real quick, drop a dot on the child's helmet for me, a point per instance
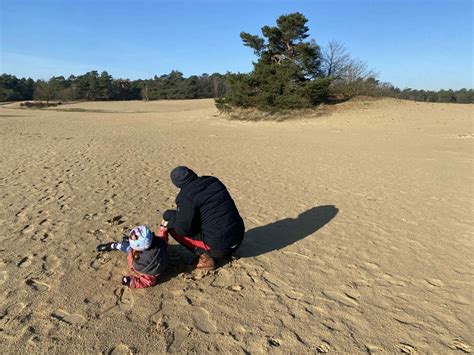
(144, 238)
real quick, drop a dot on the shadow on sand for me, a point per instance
(277, 235)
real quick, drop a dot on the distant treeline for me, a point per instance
(93, 86)
(463, 96)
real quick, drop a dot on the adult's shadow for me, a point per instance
(279, 234)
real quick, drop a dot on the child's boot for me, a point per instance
(105, 247)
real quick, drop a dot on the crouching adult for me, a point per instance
(206, 219)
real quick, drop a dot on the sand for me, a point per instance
(359, 229)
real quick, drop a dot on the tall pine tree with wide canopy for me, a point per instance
(287, 73)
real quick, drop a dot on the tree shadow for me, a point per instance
(279, 234)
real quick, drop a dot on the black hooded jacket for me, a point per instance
(205, 206)
(154, 260)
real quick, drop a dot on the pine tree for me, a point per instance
(287, 72)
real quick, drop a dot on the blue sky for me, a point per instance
(422, 44)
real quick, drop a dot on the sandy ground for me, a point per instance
(359, 229)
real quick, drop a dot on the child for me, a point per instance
(147, 255)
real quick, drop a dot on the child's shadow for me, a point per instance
(279, 234)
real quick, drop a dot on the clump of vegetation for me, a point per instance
(39, 104)
(287, 74)
(254, 114)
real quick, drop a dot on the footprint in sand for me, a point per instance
(45, 222)
(274, 341)
(97, 233)
(124, 302)
(38, 285)
(352, 294)
(371, 266)
(236, 288)
(223, 279)
(13, 311)
(45, 237)
(176, 338)
(90, 217)
(99, 260)
(121, 349)
(201, 320)
(323, 348)
(27, 229)
(407, 348)
(68, 318)
(25, 262)
(361, 283)
(457, 344)
(332, 325)
(51, 263)
(116, 220)
(125, 299)
(372, 349)
(12, 321)
(3, 277)
(435, 282)
(346, 301)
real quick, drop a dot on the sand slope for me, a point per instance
(359, 239)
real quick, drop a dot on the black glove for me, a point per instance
(169, 215)
(104, 247)
(126, 280)
(125, 238)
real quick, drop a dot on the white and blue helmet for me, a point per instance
(144, 238)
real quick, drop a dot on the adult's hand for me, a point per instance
(169, 215)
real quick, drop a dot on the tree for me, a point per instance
(287, 72)
(88, 86)
(60, 88)
(285, 42)
(44, 91)
(14, 89)
(105, 86)
(349, 76)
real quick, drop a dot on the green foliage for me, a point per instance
(463, 96)
(44, 91)
(355, 87)
(92, 86)
(176, 86)
(106, 87)
(286, 73)
(222, 105)
(14, 89)
(285, 42)
(317, 91)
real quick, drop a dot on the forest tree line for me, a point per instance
(93, 86)
(175, 86)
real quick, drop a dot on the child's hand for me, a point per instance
(126, 280)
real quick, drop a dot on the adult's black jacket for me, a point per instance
(205, 206)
